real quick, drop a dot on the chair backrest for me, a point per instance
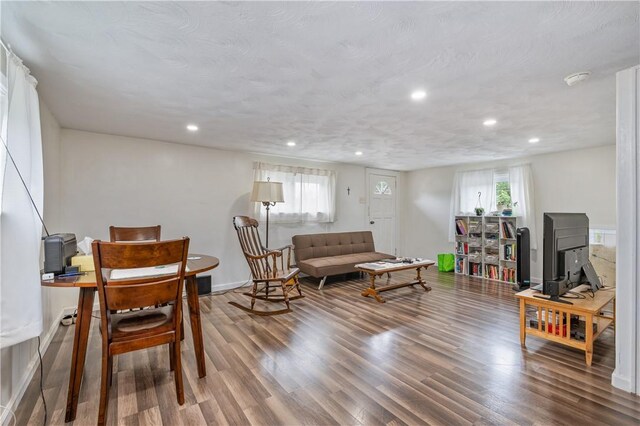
(247, 229)
(252, 248)
(144, 233)
(170, 258)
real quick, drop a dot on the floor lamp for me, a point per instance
(268, 193)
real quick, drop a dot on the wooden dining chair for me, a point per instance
(124, 332)
(267, 267)
(143, 233)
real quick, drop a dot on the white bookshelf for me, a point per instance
(485, 247)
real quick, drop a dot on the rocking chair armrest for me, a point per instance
(281, 249)
(262, 256)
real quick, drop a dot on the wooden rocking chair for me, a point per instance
(267, 268)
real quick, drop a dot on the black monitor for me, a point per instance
(565, 263)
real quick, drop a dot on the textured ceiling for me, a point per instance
(334, 77)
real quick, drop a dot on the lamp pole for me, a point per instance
(268, 205)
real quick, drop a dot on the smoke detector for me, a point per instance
(576, 78)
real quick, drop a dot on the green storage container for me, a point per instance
(446, 262)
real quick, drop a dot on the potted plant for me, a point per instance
(508, 211)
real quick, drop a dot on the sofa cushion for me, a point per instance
(341, 264)
(332, 244)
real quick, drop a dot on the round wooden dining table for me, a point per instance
(196, 264)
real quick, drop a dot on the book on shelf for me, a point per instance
(509, 252)
(491, 271)
(462, 247)
(509, 275)
(508, 230)
(461, 227)
(461, 264)
(475, 269)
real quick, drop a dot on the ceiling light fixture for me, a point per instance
(534, 140)
(358, 152)
(192, 127)
(490, 122)
(291, 143)
(418, 95)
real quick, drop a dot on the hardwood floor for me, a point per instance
(449, 356)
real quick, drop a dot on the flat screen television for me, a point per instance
(565, 263)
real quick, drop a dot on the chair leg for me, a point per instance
(285, 293)
(182, 329)
(253, 294)
(298, 285)
(177, 372)
(110, 371)
(266, 290)
(172, 361)
(104, 390)
(322, 283)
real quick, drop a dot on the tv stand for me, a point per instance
(554, 319)
(554, 298)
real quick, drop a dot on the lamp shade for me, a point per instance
(267, 192)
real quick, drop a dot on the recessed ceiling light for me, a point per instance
(490, 122)
(291, 143)
(534, 140)
(192, 127)
(418, 95)
(358, 152)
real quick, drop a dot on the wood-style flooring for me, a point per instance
(449, 356)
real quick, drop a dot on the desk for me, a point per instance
(554, 319)
(387, 268)
(88, 286)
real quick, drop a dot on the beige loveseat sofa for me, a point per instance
(321, 255)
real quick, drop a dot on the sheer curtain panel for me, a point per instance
(464, 194)
(20, 227)
(521, 183)
(309, 193)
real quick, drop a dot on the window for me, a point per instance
(493, 190)
(309, 194)
(502, 188)
(382, 188)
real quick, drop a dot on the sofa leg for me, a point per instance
(322, 282)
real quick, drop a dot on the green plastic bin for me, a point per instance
(446, 262)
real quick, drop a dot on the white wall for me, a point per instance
(189, 190)
(571, 181)
(627, 373)
(19, 362)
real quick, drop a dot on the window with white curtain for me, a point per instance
(487, 189)
(309, 193)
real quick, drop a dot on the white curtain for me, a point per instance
(309, 194)
(464, 194)
(20, 228)
(521, 182)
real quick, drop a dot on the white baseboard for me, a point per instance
(228, 286)
(622, 382)
(32, 368)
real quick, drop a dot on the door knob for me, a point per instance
(372, 222)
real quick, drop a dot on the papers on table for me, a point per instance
(154, 271)
(394, 264)
(374, 265)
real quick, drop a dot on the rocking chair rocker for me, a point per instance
(267, 268)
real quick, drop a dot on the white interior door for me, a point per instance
(382, 211)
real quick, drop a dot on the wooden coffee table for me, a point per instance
(376, 269)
